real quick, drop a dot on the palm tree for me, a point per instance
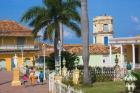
(85, 41)
(50, 15)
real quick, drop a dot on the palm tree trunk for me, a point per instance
(85, 41)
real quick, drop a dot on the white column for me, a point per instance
(121, 56)
(133, 53)
(110, 53)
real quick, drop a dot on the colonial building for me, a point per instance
(99, 54)
(102, 29)
(16, 39)
(130, 50)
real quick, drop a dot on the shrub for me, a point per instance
(136, 73)
(68, 80)
(70, 58)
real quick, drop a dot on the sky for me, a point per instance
(125, 13)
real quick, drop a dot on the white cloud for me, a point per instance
(68, 34)
(135, 19)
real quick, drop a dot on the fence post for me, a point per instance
(102, 70)
(53, 86)
(114, 75)
(80, 91)
(49, 83)
(59, 87)
(69, 89)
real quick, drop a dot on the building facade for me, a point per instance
(102, 29)
(130, 50)
(99, 54)
(16, 39)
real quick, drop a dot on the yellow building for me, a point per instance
(16, 39)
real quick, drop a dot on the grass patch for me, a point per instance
(104, 87)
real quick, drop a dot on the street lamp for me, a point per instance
(59, 47)
(22, 54)
(43, 49)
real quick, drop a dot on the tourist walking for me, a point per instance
(32, 77)
(41, 75)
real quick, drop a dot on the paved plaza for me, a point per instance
(5, 85)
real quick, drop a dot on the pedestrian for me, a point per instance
(32, 78)
(38, 80)
(24, 79)
(41, 75)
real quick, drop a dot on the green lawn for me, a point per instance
(105, 87)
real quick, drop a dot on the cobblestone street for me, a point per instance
(5, 85)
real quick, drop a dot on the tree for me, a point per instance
(85, 41)
(50, 15)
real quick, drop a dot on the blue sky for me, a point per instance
(125, 13)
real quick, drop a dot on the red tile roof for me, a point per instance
(77, 49)
(12, 28)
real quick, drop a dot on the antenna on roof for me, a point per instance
(104, 14)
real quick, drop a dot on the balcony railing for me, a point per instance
(18, 47)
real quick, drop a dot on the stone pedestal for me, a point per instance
(76, 76)
(58, 78)
(117, 73)
(15, 81)
(64, 71)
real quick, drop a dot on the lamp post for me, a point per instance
(59, 47)
(22, 55)
(44, 60)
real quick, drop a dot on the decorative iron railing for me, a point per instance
(18, 47)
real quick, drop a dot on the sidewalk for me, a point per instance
(5, 85)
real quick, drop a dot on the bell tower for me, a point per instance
(102, 29)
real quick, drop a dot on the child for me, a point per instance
(24, 79)
(41, 75)
(38, 81)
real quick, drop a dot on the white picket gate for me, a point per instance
(56, 87)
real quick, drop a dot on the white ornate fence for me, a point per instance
(104, 74)
(56, 87)
(108, 73)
